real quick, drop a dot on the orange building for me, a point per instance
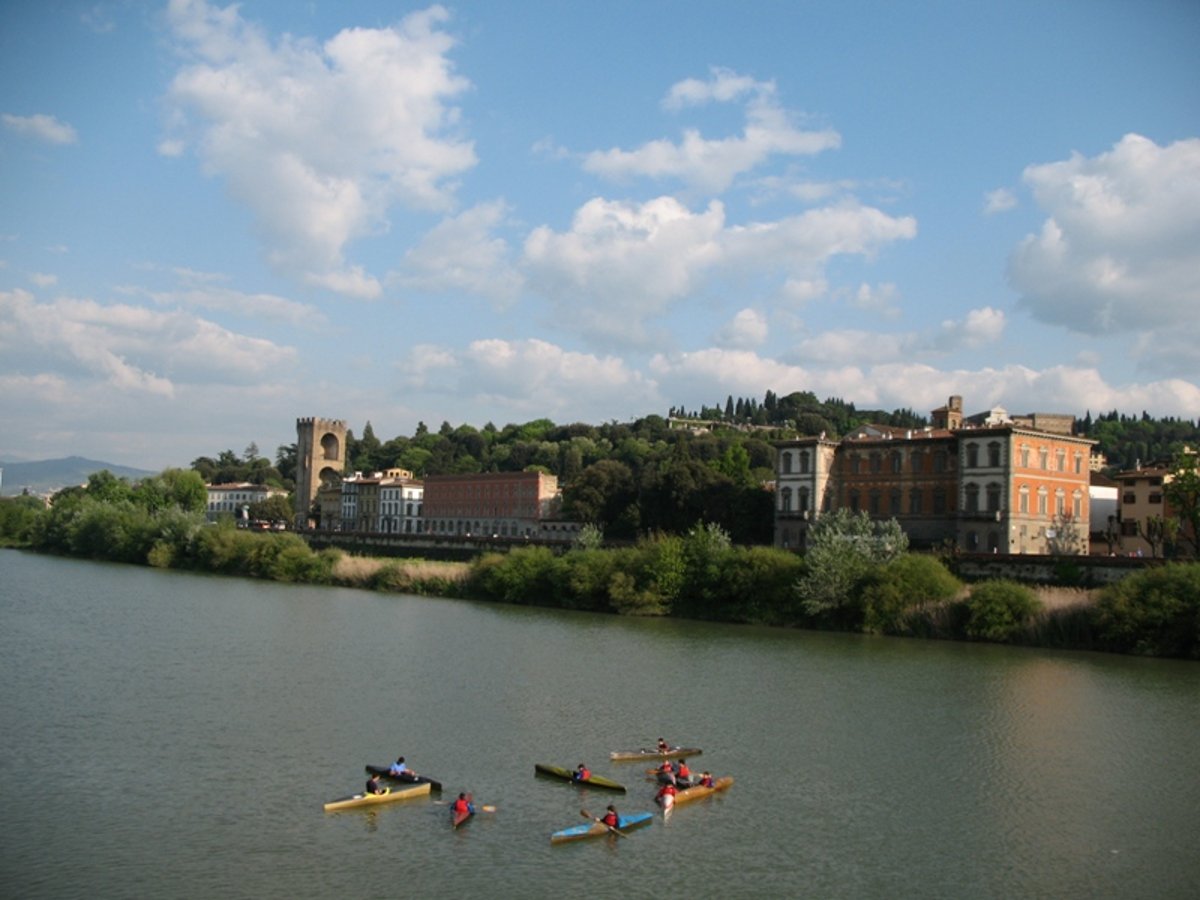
(986, 483)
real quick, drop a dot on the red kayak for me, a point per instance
(458, 818)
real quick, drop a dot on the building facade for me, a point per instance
(491, 504)
(320, 461)
(987, 483)
(235, 499)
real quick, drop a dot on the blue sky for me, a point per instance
(215, 219)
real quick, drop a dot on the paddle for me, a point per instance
(588, 815)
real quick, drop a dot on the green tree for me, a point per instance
(998, 610)
(1182, 489)
(844, 547)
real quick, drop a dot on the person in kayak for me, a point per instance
(374, 786)
(463, 805)
(399, 767)
(682, 772)
(611, 819)
(706, 779)
(665, 796)
(582, 773)
(663, 746)
(666, 773)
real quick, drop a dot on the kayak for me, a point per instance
(697, 791)
(599, 829)
(597, 781)
(405, 777)
(392, 794)
(458, 818)
(643, 754)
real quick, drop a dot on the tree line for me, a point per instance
(660, 473)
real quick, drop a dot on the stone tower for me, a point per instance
(320, 457)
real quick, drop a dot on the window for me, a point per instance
(993, 451)
(785, 500)
(1155, 497)
(1129, 497)
(939, 501)
(897, 462)
(1024, 457)
(1060, 461)
(914, 501)
(803, 462)
(1078, 463)
(1043, 458)
(918, 460)
(1023, 499)
(873, 501)
(1060, 502)
(993, 497)
(786, 463)
(939, 461)
(876, 463)
(854, 501)
(894, 502)
(972, 498)
(803, 504)
(1043, 499)
(1077, 504)
(972, 455)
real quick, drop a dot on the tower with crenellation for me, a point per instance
(320, 458)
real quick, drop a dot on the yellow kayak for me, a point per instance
(388, 796)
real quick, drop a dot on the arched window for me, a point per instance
(914, 501)
(785, 500)
(972, 455)
(918, 460)
(803, 504)
(971, 496)
(785, 461)
(993, 454)
(803, 462)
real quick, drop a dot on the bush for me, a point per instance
(998, 609)
(1154, 613)
(891, 594)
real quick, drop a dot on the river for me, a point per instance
(176, 735)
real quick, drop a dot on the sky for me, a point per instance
(216, 219)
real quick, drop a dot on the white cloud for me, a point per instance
(529, 378)
(1120, 251)
(998, 201)
(712, 164)
(860, 347)
(130, 349)
(41, 127)
(43, 280)
(319, 141)
(622, 264)
(462, 253)
(747, 329)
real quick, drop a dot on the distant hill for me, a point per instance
(49, 475)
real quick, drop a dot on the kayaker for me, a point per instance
(374, 786)
(683, 773)
(665, 796)
(582, 773)
(611, 819)
(663, 746)
(706, 779)
(463, 805)
(666, 773)
(398, 767)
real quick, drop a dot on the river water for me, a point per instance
(173, 735)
